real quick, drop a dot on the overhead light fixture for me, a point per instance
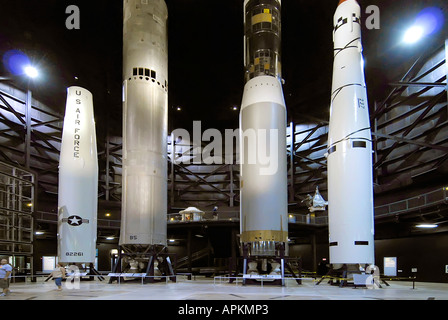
(413, 34)
(429, 21)
(172, 240)
(426, 226)
(39, 233)
(110, 238)
(31, 72)
(108, 214)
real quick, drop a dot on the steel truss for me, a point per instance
(17, 201)
(409, 131)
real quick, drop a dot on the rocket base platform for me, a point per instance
(86, 272)
(348, 275)
(267, 269)
(151, 260)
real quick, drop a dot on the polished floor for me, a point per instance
(201, 288)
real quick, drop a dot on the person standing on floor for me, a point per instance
(58, 274)
(5, 275)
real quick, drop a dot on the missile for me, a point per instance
(349, 153)
(78, 180)
(263, 182)
(145, 124)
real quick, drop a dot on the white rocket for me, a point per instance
(78, 180)
(263, 183)
(350, 182)
(145, 123)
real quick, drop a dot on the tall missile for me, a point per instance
(78, 180)
(263, 184)
(145, 123)
(349, 154)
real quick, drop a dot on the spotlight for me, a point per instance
(31, 72)
(429, 21)
(426, 226)
(413, 35)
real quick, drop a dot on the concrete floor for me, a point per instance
(207, 289)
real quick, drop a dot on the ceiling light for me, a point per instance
(413, 34)
(427, 226)
(31, 72)
(110, 238)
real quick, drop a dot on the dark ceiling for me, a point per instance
(205, 55)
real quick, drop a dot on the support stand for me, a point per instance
(86, 276)
(93, 271)
(148, 254)
(265, 279)
(340, 277)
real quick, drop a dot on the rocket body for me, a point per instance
(350, 182)
(263, 163)
(145, 123)
(78, 180)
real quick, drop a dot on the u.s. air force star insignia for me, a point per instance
(75, 220)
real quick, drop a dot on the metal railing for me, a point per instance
(432, 198)
(234, 216)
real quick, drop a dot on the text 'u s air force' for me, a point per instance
(256, 309)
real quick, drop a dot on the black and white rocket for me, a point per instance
(350, 182)
(263, 182)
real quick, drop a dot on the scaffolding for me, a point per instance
(17, 202)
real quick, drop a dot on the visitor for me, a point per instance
(58, 274)
(5, 275)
